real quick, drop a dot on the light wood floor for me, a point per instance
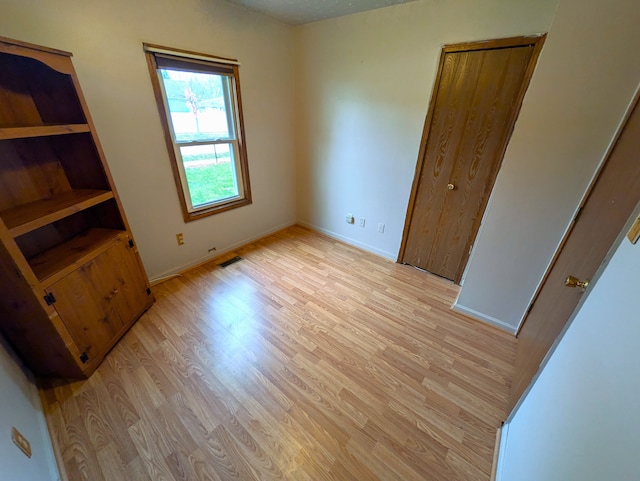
(308, 360)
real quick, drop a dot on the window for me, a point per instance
(198, 99)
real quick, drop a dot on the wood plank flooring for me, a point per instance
(307, 360)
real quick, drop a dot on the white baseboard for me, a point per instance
(348, 240)
(202, 260)
(501, 454)
(484, 317)
(496, 454)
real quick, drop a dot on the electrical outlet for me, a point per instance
(349, 219)
(180, 238)
(381, 228)
(20, 441)
(361, 221)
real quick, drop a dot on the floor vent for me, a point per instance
(230, 261)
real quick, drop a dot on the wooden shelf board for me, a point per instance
(9, 133)
(53, 264)
(34, 215)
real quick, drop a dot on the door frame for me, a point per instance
(538, 42)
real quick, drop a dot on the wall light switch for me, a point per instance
(361, 221)
(381, 228)
(20, 441)
(634, 232)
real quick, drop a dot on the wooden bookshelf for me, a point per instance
(70, 271)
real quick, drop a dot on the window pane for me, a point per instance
(211, 173)
(197, 105)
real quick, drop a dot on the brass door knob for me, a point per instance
(451, 186)
(572, 281)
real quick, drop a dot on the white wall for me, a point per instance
(364, 84)
(106, 39)
(580, 420)
(587, 73)
(20, 407)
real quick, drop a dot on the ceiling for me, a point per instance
(297, 12)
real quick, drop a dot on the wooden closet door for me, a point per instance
(612, 199)
(474, 106)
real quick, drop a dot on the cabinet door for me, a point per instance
(132, 297)
(100, 299)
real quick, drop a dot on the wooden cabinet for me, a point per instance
(70, 272)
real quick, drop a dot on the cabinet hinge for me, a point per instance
(148, 291)
(49, 298)
(578, 214)
(131, 244)
(529, 309)
(84, 357)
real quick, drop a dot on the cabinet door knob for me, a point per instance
(451, 186)
(112, 294)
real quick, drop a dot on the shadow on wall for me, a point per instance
(14, 372)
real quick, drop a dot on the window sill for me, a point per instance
(215, 209)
